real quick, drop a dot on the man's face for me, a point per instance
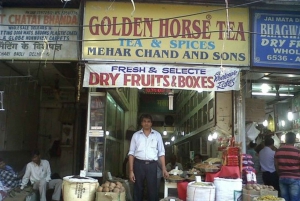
(36, 159)
(2, 165)
(197, 159)
(146, 123)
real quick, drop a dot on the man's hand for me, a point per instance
(131, 176)
(165, 174)
(18, 189)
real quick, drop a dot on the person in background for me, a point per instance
(287, 163)
(8, 177)
(3, 166)
(251, 151)
(146, 147)
(197, 158)
(267, 164)
(38, 172)
(172, 165)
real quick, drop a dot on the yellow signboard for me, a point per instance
(166, 33)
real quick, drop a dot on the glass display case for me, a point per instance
(104, 135)
(94, 153)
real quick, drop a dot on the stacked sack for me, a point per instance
(248, 173)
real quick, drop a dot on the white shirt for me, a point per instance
(266, 159)
(169, 166)
(146, 148)
(36, 172)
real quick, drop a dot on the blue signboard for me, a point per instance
(276, 39)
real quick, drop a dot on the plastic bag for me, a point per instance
(251, 131)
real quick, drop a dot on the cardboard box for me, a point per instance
(110, 196)
(249, 195)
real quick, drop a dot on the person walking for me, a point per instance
(287, 163)
(146, 147)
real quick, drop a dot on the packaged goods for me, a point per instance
(76, 188)
(204, 191)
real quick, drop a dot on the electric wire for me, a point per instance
(149, 38)
(155, 20)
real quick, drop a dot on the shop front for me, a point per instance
(38, 67)
(148, 58)
(275, 57)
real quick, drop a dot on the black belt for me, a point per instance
(145, 161)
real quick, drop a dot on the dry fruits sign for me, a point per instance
(163, 76)
(165, 33)
(35, 34)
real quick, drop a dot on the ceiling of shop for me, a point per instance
(281, 85)
(57, 75)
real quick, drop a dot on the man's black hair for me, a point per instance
(145, 116)
(269, 141)
(252, 145)
(290, 138)
(35, 153)
(199, 155)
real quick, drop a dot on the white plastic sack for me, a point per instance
(276, 141)
(203, 193)
(79, 189)
(251, 131)
(228, 189)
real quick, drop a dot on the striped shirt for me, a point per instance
(288, 159)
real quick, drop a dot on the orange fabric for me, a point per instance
(232, 172)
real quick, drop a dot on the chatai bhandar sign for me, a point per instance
(161, 76)
(165, 33)
(38, 33)
(276, 39)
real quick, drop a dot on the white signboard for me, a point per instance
(161, 76)
(39, 34)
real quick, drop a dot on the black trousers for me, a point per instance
(271, 179)
(145, 171)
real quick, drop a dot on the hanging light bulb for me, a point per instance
(282, 123)
(210, 138)
(290, 116)
(265, 88)
(265, 123)
(282, 138)
(165, 132)
(215, 135)
(106, 132)
(173, 138)
(171, 97)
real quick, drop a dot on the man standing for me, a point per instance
(266, 160)
(146, 147)
(287, 163)
(38, 172)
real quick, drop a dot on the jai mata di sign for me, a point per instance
(165, 33)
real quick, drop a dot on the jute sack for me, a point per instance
(79, 189)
